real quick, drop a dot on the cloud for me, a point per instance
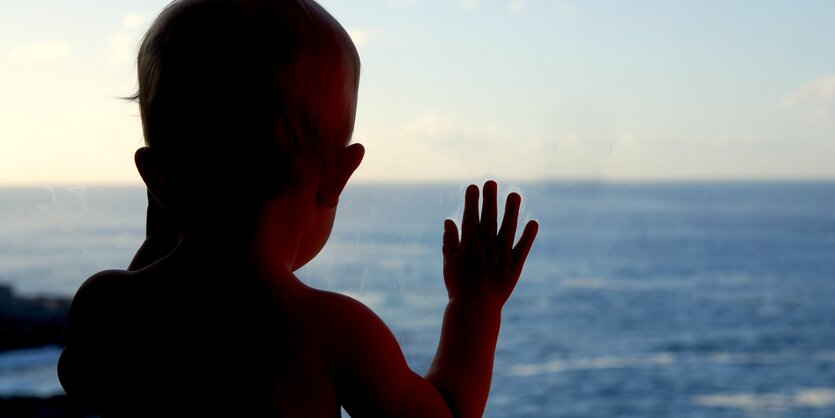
(121, 49)
(443, 130)
(362, 36)
(469, 4)
(133, 21)
(41, 52)
(438, 146)
(431, 124)
(517, 5)
(122, 45)
(564, 7)
(401, 3)
(817, 96)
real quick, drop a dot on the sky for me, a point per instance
(461, 90)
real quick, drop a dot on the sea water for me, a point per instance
(638, 300)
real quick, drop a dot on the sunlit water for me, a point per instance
(638, 300)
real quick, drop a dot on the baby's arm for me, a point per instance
(372, 377)
(480, 271)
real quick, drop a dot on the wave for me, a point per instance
(660, 359)
(806, 398)
(557, 366)
(30, 372)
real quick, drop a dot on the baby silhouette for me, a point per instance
(248, 109)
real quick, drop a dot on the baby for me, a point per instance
(248, 109)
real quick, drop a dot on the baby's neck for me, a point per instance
(267, 243)
(213, 256)
(266, 248)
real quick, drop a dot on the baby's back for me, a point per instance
(208, 341)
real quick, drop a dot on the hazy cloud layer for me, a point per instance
(363, 36)
(817, 97)
(41, 52)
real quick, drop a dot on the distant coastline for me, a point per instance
(31, 322)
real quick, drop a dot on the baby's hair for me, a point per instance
(231, 90)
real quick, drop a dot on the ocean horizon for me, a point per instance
(663, 298)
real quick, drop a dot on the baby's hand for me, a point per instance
(484, 265)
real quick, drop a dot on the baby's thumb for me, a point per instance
(450, 243)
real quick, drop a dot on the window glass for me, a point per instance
(677, 155)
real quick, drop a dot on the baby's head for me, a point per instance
(234, 94)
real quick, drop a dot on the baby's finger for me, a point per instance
(469, 224)
(523, 247)
(450, 243)
(488, 209)
(511, 212)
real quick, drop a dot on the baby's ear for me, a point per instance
(343, 166)
(153, 177)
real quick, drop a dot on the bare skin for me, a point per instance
(161, 236)
(324, 351)
(210, 319)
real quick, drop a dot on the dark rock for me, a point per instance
(54, 407)
(31, 322)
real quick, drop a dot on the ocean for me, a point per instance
(637, 300)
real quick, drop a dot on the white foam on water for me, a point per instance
(654, 360)
(815, 398)
(806, 398)
(28, 358)
(597, 283)
(599, 363)
(743, 358)
(392, 263)
(742, 401)
(30, 372)
(592, 283)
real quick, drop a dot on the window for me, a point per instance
(677, 156)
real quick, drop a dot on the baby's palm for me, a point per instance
(483, 264)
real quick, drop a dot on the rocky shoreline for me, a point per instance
(30, 323)
(54, 407)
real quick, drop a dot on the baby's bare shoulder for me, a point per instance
(350, 322)
(341, 309)
(101, 284)
(99, 293)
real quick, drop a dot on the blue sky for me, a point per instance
(462, 90)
